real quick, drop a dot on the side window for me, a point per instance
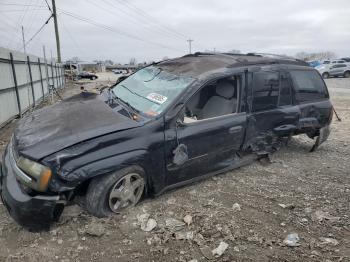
(218, 98)
(265, 90)
(285, 91)
(308, 85)
(338, 66)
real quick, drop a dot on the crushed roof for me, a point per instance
(201, 63)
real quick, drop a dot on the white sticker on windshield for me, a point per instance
(157, 98)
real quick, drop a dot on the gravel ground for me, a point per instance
(243, 215)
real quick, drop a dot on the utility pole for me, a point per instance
(27, 63)
(54, 14)
(190, 45)
(46, 69)
(24, 42)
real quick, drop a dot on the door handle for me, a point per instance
(235, 129)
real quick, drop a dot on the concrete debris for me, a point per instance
(184, 235)
(174, 224)
(199, 239)
(171, 201)
(206, 252)
(187, 219)
(96, 230)
(149, 225)
(143, 218)
(292, 240)
(320, 216)
(328, 241)
(287, 206)
(236, 207)
(217, 252)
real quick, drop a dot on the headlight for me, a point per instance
(40, 174)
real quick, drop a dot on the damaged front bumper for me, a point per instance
(34, 213)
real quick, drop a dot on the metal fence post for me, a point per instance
(53, 80)
(41, 78)
(16, 86)
(63, 76)
(57, 76)
(57, 84)
(31, 80)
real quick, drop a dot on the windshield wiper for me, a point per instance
(132, 92)
(126, 105)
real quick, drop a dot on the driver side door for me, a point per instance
(211, 145)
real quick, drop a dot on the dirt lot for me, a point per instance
(251, 209)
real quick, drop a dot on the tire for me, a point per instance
(100, 196)
(347, 74)
(93, 78)
(325, 75)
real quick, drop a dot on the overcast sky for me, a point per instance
(150, 30)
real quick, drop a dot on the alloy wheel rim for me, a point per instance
(126, 192)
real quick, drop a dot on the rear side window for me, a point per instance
(285, 91)
(265, 90)
(308, 85)
(338, 66)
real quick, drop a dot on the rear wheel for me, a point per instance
(347, 74)
(93, 78)
(325, 75)
(115, 192)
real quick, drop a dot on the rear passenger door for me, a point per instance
(312, 98)
(272, 107)
(337, 69)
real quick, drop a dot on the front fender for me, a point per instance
(99, 167)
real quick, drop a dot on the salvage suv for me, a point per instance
(167, 125)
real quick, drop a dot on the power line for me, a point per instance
(149, 17)
(20, 21)
(114, 30)
(48, 6)
(37, 32)
(13, 10)
(26, 5)
(75, 43)
(135, 19)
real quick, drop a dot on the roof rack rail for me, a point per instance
(270, 55)
(228, 55)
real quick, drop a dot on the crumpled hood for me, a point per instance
(53, 128)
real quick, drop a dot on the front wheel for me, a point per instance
(347, 74)
(115, 192)
(325, 75)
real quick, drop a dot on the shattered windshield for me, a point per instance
(151, 89)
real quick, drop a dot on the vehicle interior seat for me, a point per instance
(222, 103)
(192, 107)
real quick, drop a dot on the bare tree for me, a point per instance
(75, 59)
(234, 51)
(315, 56)
(132, 61)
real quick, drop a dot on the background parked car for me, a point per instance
(87, 75)
(342, 69)
(314, 63)
(347, 59)
(337, 61)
